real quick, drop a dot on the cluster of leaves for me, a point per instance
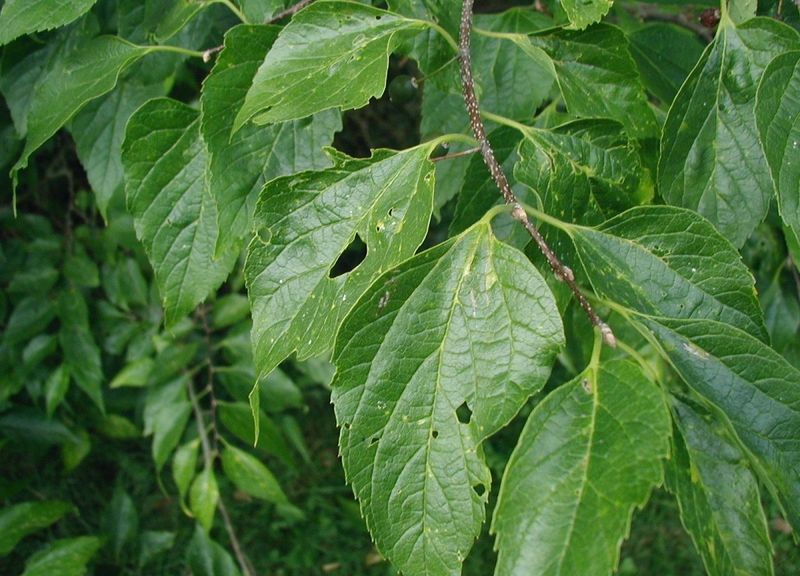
(653, 163)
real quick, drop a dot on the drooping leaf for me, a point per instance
(99, 130)
(81, 76)
(174, 213)
(121, 522)
(333, 54)
(76, 449)
(598, 58)
(166, 414)
(238, 419)
(778, 120)
(55, 388)
(305, 222)
(589, 454)
(669, 262)
(81, 354)
(136, 373)
(665, 54)
(153, 543)
(19, 520)
(718, 496)
(439, 354)
(756, 389)
(711, 160)
(207, 558)
(19, 17)
(66, 557)
(184, 466)
(30, 317)
(239, 165)
(251, 476)
(203, 498)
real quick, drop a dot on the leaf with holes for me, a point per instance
(174, 213)
(589, 454)
(711, 159)
(718, 496)
(304, 225)
(438, 355)
(239, 165)
(333, 54)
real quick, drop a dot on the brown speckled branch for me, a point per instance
(561, 271)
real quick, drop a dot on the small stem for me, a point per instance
(235, 9)
(443, 33)
(560, 271)
(455, 137)
(466, 152)
(290, 11)
(178, 50)
(241, 557)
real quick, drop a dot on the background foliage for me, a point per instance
(140, 159)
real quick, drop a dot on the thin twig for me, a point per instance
(210, 446)
(560, 271)
(466, 152)
(290, 11)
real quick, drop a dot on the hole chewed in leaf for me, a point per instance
(463, 413)
(350, 258)
(479, 489)
(434, 434)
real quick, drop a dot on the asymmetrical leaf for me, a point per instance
(99, 130)
(718, 497)
(251, 476)
(66, 557)
(174, 214)
(778, 120)
(669, 262)
(597, 76)
(207, 558)
(19, 17)
(203, 498)
(711, 160)
(439, 354)
(589, 454)
(184, 466)
(19, 520)
(333, 54)
(239, 165)
(756, 389)
(88, 72)
(305, 222)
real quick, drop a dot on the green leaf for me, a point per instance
(184, 465)
(333, 54)
(66, 557)
(588, 455)
(239, 165)
(778, 121)
(19, 520)
(238, 419)
(28, 425)
(229, 310)
(207, 558)
(81, 354)
(251, 476)
(166, 414)
(305, 223)
(665, 55)
(75, 450)
(582, 13)
(99, 130)
(84, 74)
(121, 523)
(174, 213)
(81, 271)
(741, 11)
(19, 17)
(718, 497)
(55, 388)
(30, 317)
(438, 355)
(258, 11)
(711, 160)
(153, 543)
(203, 498)
(599, 58)
(755, 388)
(669, 262)
(136, 373)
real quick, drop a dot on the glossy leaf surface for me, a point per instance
(19, 17)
